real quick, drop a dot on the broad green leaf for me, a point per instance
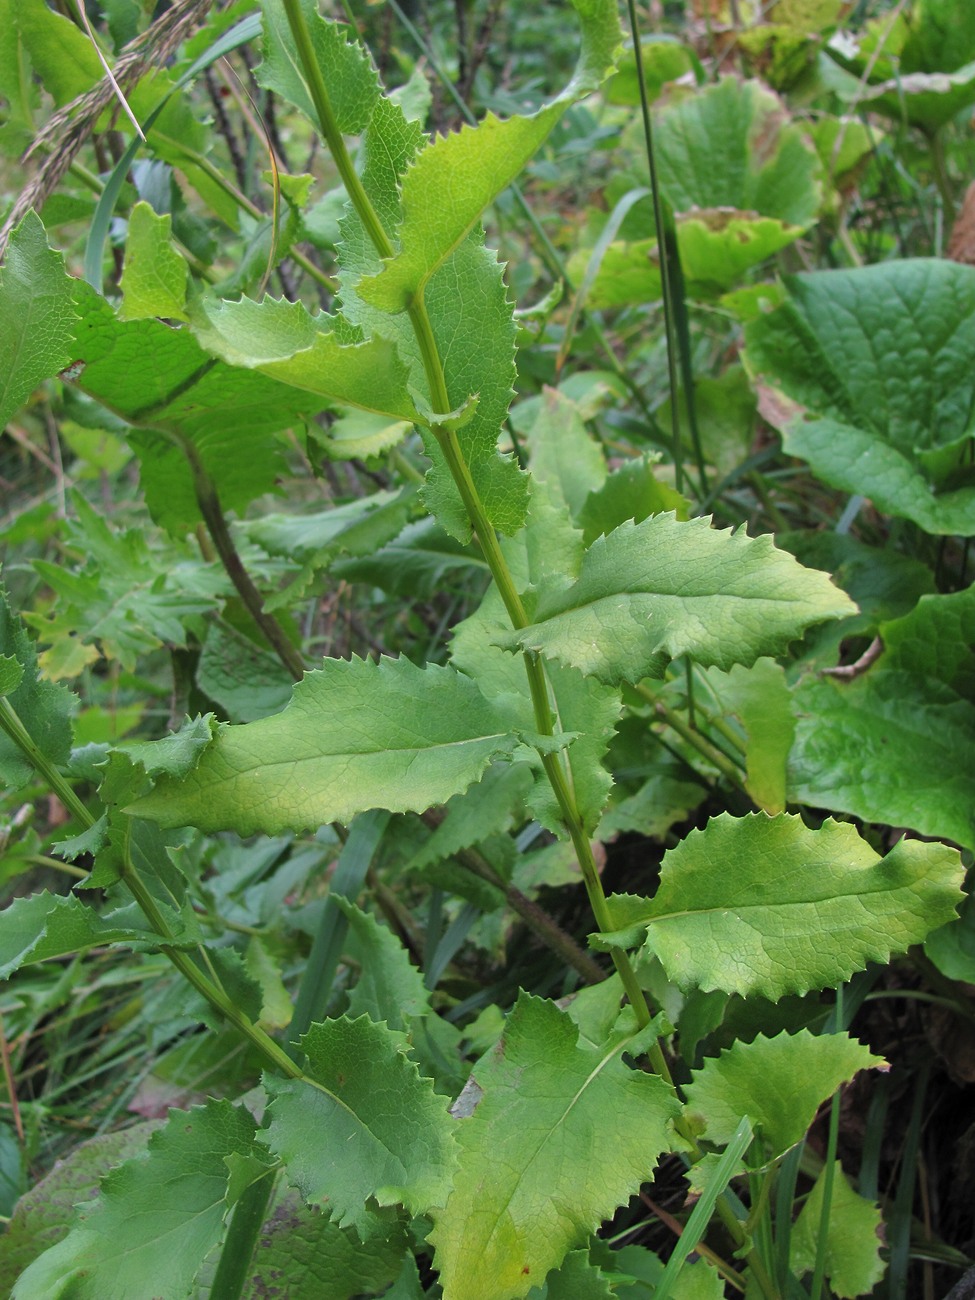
(418, 563)
(356, 735)
(664, 59)
(952, 946)
(564, 455)
(153, 273)
(652, 591)
(456, 176)
(364, 1126)
(62, 56)
(578, 1278)
(495, 804)
(940, 36)
(247, 681)
(874, 371)
(36, 313)
(45, 925)
(389, 987)
(43, 709)
(854, 1240)
(663, 799)
(897, 744)
(318, 1260)
(549, 1106)
(46, 1213)
(131, 1233)
(161, 381)
(925, 99)
(284, 341)
(779, 1083)
(765, 905)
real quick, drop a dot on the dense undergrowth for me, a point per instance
(487, 689)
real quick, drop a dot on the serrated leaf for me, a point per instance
(356, 735)
(631, 492)
(131, 1234)
(897, 744)
(765, 905)
(456, 176)
(564, 455)
(284, 341)
(153, 273)
(578, 1278)
(655, 590)
(389, 987)
(489, 807)
(36, 314)
(854, 1229)
(874, 370)
(550, 1107)
(365, 1126)
(43, 709)
(779, 1083)
(759, 698)
(46, 925)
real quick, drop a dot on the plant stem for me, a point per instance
(208, 500)
(18, 733)
(240, 1242)
(704, 747)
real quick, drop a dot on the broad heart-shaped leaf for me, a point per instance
(36, 315)
(881, 362)
(363, 1126)
(854, 1238)
(43, 709)
(356, 735)
(552, 1106)
(779, 1083)
(765, 905)
(456, 176)
(132, 1233)
(285, 342)
(897, 744)
(160, 380)
(651, 591)
(153, 274)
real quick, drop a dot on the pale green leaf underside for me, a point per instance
(779, 1083)
(765, 905)
(455, 177)
(36, 315)
(854, 1240)
(365, 1125)
(875, 371)
(551, 1106)
(283, 341)
(153, 274)
(356, 735)
(652, 591)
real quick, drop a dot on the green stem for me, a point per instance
(240, 1242)
(704, 747)
(18, 733)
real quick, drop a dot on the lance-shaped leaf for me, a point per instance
(853, 1242)
(50, 925)
(36, 315)
(43, 709)
(661, 588)
(356, 735)
(131, 1233)
(874, 374)
(363, 1126)
(779, 1083)
(765, 905)
(897, 744)
(285, 342)
(456, 176)
(549, 1106)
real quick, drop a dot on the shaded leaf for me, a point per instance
(153, 273)
(44, 710)
(854, 1228)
